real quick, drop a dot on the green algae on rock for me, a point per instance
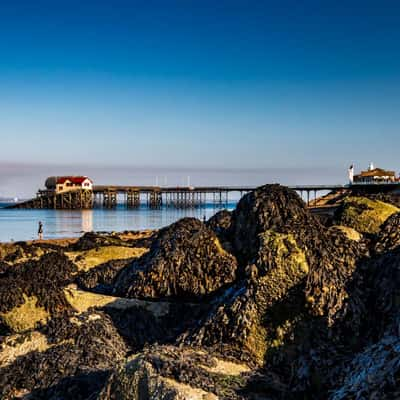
(25, 316)
(241, 318)
(350, 233)
(363, 214)
(269, 207)
(279, 250)
(35, 288)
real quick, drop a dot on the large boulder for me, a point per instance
(373, 372)
(363, 214)
(331, 256)
(300, 287)
(72, 364)
(270, 207)
(256, 314)
(185, 261)
(139, 322)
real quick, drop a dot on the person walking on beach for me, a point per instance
(40, 230)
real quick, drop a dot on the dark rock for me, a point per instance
(384, 294)
(185, 261)
(167, 372)
(270, 207)
(331, 257)
(373, 373)
(92, 240)
(221, 224)
(42, 279)
(140, 325)
(300, 288)
(243, 321)
(388, 237)
(100, 278)
(76, 364)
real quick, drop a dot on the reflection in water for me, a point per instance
(22, 224)
(87, 220)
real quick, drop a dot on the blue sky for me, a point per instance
(227, 91)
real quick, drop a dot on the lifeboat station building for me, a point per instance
(375, 175)
(62, 184)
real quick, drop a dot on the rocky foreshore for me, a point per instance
(265, 302)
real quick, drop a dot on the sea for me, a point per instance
(21, 224)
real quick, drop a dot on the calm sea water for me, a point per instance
(22, 224)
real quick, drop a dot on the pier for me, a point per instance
(158, 196)
(108, 196)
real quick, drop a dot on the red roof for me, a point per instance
(77, 180)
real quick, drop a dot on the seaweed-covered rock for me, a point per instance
(350, 233)
(139, 322)
(392, 198)
(388, 237)
(93, 240)
(331, 257)
(269, 207)
(245, 321)
(383, 288)
(186, 261)
(19, 252)
(88, 259)
(372, 374)
(75, 365)
(363, 214)
(301, 285)
(333, 270)
(32, 291)
(342, 356)
(167, 372)
(221, 223)
(100, 278)
(20, 344)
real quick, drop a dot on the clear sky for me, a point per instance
(225, 91)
